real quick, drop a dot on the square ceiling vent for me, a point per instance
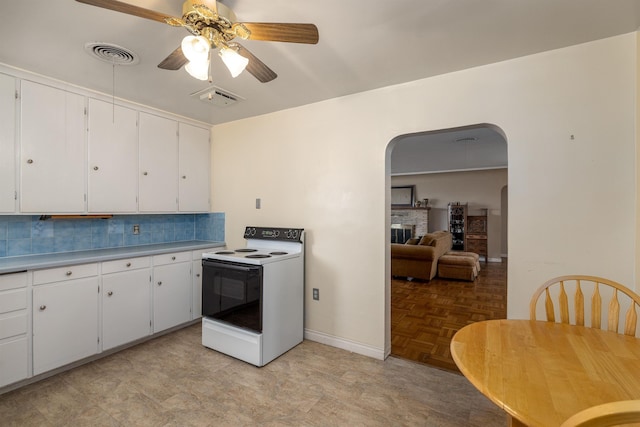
(219, 97)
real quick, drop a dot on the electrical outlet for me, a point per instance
(316, 294)
(258, 201)
(136, 229)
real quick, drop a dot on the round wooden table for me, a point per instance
(541, 373)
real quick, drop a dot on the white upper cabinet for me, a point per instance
(158, 173)
(7, 144)
(194, 159)
(53, 154)
(113, 158)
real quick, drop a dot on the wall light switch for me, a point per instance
(257, 203)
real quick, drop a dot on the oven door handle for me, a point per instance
(234, 267)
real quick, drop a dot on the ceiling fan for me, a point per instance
(213, 25)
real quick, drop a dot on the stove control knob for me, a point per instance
(276, 233)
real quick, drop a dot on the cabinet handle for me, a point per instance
(110, 293)
(184, 176)
(173, 258)
(69, 273)
(43, 307)
(30, 161)
(197, 275)
(95, 168)
(128, 264)
(144, 173)
(159, 283)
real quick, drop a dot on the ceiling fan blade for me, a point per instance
(129, 9)
(292, 33)
(255, 67)
(174, 61)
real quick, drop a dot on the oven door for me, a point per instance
(232, 292)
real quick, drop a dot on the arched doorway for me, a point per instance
(464, 164)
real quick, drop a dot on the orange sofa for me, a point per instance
(419, 259)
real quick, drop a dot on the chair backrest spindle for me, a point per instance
(614, 312)
(563, 301)
(579, 303)
(596, 308)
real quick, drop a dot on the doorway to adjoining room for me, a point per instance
(434, 175)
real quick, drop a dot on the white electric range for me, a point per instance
(253, 297)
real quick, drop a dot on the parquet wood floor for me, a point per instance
(426, 315)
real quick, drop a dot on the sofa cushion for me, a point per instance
(412, 241)
(427, 240)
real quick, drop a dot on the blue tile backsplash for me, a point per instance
(28, 235)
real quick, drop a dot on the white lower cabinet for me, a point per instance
(65, 316)
(196, 279)
(14, 343)
(126, 301)
(80, 310)
(171, 290)
(196, 289)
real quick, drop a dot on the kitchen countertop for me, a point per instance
(35, 262)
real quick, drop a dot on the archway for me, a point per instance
(435, 164)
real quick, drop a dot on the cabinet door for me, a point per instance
(171, 295)
(126, 311)
(65, 323)
(194, 165)
(14, 356)
(158, 174)
(196, 291)
(113, 158)
(7, 144)
(52, 164)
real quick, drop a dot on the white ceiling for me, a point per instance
(450, 150)
(364, 44)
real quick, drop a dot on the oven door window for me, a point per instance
(232, 293)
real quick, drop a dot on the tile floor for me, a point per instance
(174, 381)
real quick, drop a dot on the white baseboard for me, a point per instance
(345, 344)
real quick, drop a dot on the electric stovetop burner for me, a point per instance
(278, 253)
(224, 253)
(246, 250)
(258, 256)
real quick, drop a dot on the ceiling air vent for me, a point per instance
(216, 96)
(111, 53)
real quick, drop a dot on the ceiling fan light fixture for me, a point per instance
(195, 48)
(198, 69)
(235, 62)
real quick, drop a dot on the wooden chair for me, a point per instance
(613, 315)
(607, 414)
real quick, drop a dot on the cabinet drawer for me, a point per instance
(13, 281)
(171, 258)
(64, 273)
(125, 264)
(13, 326)
(478, 246)
(13, 300)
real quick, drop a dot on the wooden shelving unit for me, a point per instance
(477, 235)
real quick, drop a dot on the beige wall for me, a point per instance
(479, 189)
(325, 167)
